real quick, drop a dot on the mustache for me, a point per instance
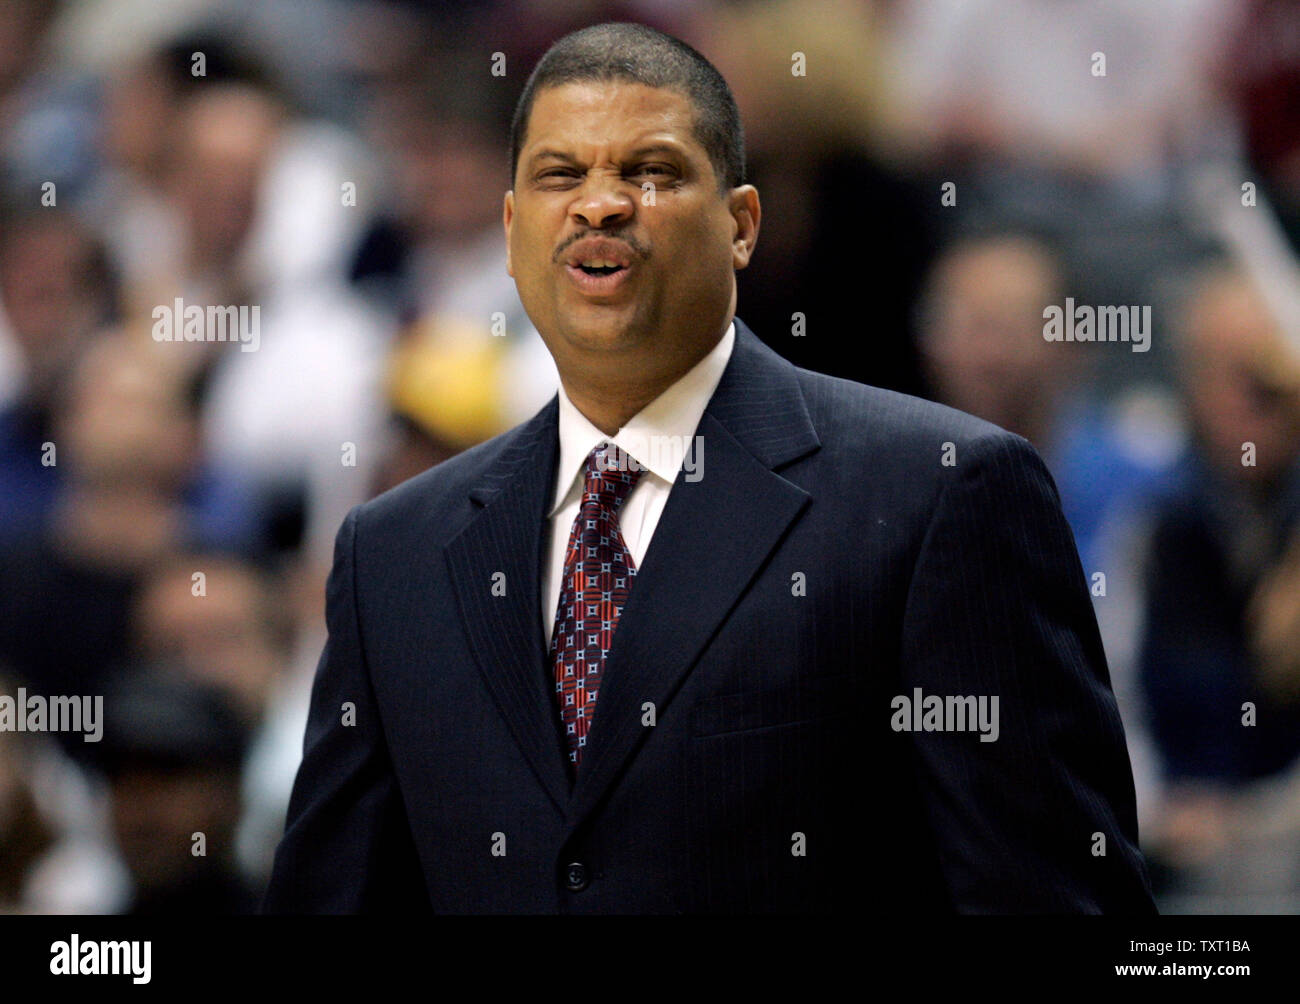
(637, 248)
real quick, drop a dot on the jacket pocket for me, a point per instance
(813, 698)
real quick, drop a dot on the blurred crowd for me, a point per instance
(940, 173)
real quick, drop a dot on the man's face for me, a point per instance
(603, 262)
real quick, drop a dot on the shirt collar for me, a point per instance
(671, 418)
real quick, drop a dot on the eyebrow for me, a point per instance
(640, 151)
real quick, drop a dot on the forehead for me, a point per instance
(608, 113)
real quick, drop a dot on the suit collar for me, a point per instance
(519, 451)
(657, 436)
(759, 401)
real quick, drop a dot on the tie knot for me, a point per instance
(611, 473)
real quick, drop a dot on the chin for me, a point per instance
(599, 333)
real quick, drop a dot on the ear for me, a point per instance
(745, 213)
(507, 217)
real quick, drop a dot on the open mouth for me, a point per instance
(599, 278)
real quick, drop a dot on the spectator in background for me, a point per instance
(135, 489)
(173, 755)
(218, 190)
(225, 135)
(1224, 718)
(840, 214)
(145, 210)
(55, 291)
(54, 854)
(25, 834)
(262, 202)
(47, 115)
(1260, 74)
(233, 631)
(223, 630)
(438, 248)
(1007, 82)
(984, 352)
(982, 326)
(22, 23)
(447, 391)
(1076, 120)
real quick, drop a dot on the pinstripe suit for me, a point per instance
(742, 757)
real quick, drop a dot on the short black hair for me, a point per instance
(641, 55)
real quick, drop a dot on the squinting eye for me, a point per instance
(653, 169)
(557, 174)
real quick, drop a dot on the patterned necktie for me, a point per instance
(598, 573)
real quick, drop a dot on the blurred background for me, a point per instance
(944, 171)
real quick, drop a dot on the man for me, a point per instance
(557, 682)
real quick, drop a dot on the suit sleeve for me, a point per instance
(347, 845)
(1042, 819)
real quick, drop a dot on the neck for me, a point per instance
(609, 398)
(610, 405)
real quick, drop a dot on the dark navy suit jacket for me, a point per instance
(827, 561)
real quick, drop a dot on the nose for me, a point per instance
(599, 204)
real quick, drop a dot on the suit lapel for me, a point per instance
(504, 631)
(714, 535)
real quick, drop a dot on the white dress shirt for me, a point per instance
(670, 418)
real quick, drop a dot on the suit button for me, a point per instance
(575, 876)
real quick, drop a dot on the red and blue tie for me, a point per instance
(598, 573)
